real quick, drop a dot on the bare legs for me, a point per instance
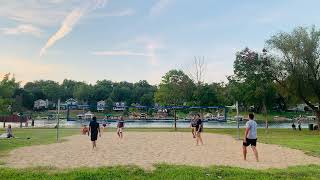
(255, 152)
(94, 145)
(194, 132)
(244, 150)
(119, 132)
(199, 138)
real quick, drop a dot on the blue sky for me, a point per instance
(90, 40)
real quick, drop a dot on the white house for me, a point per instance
(119, 106)
(41, 104)
(71, 101)
(101, 105)
(88, 115)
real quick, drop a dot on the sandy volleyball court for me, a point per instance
(147, 148)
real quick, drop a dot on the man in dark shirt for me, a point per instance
(94, 129)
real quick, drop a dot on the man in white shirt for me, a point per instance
(250, 137)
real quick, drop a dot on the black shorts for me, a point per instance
(252, 142)
(94, 136)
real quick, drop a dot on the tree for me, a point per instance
(176, 88)
(83, 92)
(297, 69)
(7, 88)
(252, 71)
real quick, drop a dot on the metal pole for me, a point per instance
(175, 120)
(58, 119)
(238, 129)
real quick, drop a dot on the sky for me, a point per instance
(126, 40)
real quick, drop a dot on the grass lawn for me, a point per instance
(305, 140)
(37, 136)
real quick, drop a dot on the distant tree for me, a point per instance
(83, 92)
(252, 71)
(297, 69)
(8, 86)
(175, 88)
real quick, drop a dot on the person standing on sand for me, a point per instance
(250, 137)
(120, 126)
(94, 129)
(199, 129)
(193, 124)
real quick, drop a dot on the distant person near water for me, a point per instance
(193, 124)
(250, 137)
(299, 125)
(293, 126)
(9, 132)
(94, 129)
(199, 129)
(120, 126)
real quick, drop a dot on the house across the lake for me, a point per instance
(119, 106)
(101, 105)
(41, 104)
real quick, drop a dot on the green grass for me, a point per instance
(306, 141)
(162, 171)
(36, 136)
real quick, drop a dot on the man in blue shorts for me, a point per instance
(94, 129)
(250, 137)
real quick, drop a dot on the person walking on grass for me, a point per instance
(94, 130)
(199, 129)
(9, 132)
(250, 137)
(120, 126)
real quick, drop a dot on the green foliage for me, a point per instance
(298, 68)
(252, 83)
(176, 88)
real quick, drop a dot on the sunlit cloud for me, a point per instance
(22, 29)
(71, 20)
(159, 7)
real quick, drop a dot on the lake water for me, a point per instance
(151, 124)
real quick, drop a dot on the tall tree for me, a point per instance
(298, 68)
(253, 70)
(176, 88)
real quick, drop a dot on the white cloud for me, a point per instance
(22, 29)
(159, 7)
(120, 53)
(71, 20)
(121, 13)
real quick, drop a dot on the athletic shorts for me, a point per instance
(252, 142)
(94, 136)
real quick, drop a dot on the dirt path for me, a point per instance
(147, 148)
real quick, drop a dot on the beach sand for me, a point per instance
(148, 148)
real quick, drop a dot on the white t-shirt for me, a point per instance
(252, 125)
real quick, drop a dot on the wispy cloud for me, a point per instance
(121, 13)
(22, 29)
(120, 53)
(71, 20)
(159, 7)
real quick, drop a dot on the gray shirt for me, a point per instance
(252, 125)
